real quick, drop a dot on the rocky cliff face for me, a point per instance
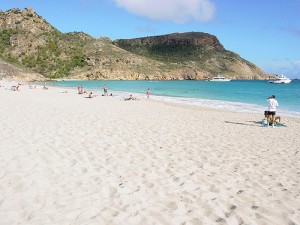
(8, 71)
(29, 40)
(24, 20)
(195, 39)
(200, 53)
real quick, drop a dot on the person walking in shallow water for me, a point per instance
(272, 105)
(148, 92)
(105, 90)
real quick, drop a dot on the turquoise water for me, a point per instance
(248, 96)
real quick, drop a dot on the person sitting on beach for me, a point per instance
(131, 97)
(45, 86)
(90, 94)
(15, 88)
(277, 119)
(81, 91)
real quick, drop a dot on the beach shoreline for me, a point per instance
(235, 96)
(69, 159)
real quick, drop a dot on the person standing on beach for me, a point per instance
(148, 92)
(105, 90)
(272, 105)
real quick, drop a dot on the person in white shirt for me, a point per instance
(272, 105)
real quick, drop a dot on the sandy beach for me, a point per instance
(69, 160)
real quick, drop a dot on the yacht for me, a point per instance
(219, 78)
(280, 80)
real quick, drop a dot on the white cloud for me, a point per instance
(179, 11)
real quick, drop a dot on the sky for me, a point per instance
(264, 32)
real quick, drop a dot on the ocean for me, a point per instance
(236, 95)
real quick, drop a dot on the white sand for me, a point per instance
(70, 160)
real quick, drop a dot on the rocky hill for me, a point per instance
(29, 41)
(10, 72)
(200, 51)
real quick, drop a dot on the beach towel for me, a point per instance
(264, 123)
(280, 125)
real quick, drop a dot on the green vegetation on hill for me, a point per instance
(4, 39)
(174, 49)
(168, 53)
(29, 41)
(56, 57)
(49, 57)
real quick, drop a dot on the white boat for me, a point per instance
(219, 78)
(280, 80)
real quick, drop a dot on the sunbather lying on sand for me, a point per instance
(131, 97)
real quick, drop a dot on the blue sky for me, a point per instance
(265, 32)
